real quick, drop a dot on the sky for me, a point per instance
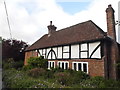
(29, 18)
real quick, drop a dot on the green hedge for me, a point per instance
(37, 62)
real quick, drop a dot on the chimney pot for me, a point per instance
(51, 28)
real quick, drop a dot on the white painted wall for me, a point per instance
(83, 54)
(40, 52)
(48, 49)
(75, 51)
(55, 50)
(59, 52)
(97, 54)
(92, 46)
(83, 46)
(66, 49)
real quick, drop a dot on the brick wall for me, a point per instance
(28, 55)
(95, 66)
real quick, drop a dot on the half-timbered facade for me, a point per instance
(83, 46)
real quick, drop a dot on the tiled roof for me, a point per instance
(81, 32)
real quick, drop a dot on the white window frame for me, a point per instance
(81, 66)
(51, 64)
(64, 64)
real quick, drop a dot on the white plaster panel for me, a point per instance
(83, 47)
(97, 54)
(65, 55)
(92, 46)
(55, 50)
(74, 51)
(66, 49)
(40, 52)
(83, 54)
(59, 52)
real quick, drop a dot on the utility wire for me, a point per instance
(8, 20)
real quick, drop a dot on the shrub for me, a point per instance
(8, 63)
(62, 77)
(37, 62)
(18, 65)
(26, 67)
(36, 72)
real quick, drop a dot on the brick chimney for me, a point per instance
(51, 28)
(110, 22)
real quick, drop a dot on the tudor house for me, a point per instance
(83, 46)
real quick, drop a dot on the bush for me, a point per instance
(18, 65)
(36, 72)
(37, 62)
(10, 63)
(62, 77)
(26, 67)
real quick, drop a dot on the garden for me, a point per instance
(36, 75)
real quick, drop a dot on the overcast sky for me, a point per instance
(29, 18)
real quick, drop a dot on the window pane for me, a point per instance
(83, 47)
(79, 66)
(66, 65)
(50, 64)
(62, 65)
(53, 64)
(59, 64)
(84, 67)
(83, 54)
(74, 66)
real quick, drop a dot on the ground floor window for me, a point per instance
(51, 64)
(82, 66)
(63, 64)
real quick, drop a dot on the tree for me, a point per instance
(13, 49)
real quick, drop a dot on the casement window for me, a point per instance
(63, 64)
(75, 51)
(66, 52)
(51, 64)
(84, 50)
(82, 66)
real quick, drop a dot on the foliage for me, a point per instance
(37, 62)
(27, 67)
(100, 82)
(62, 77)
(36, 72)
(13, 49)
(13, 78)
(55, 78)
(10, 63)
